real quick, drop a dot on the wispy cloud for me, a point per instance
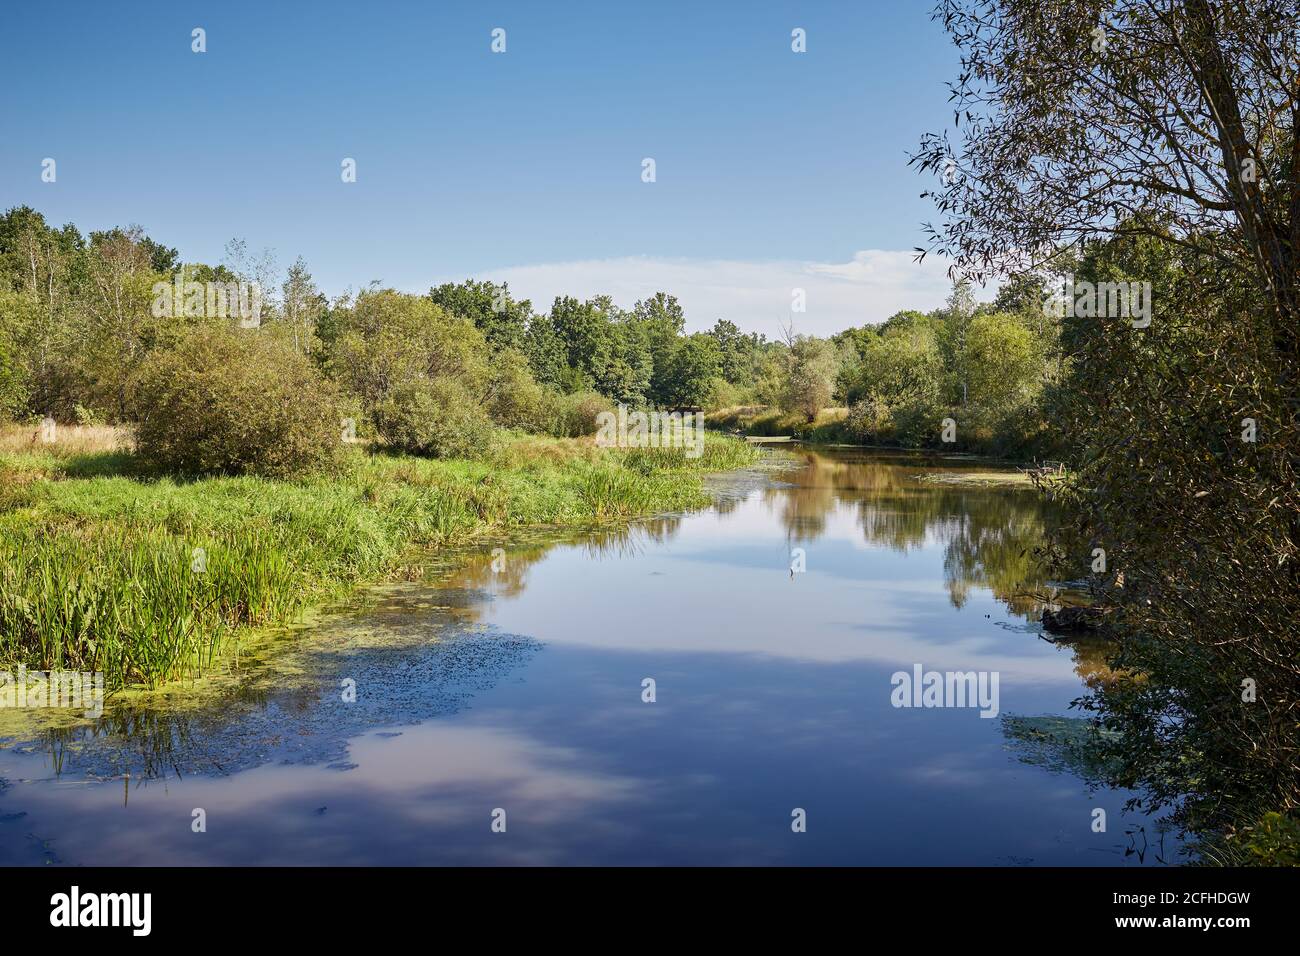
(757, 296)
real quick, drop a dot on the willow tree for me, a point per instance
(1143, 140)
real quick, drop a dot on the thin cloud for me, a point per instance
(757, 296)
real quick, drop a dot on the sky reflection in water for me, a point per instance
(522, 690)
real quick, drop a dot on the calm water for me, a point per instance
(519, 686)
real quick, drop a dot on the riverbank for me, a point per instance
(516, 680)
(972, 432)
(103, 568)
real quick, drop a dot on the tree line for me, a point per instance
(83, 339)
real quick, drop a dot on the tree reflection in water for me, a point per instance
(989, 534)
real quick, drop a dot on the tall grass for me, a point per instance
(67, 439)
(98, 569)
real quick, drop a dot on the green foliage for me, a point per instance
(812, 366)
(547, 353)
(235, 401)
(984, 369)
(13, 376)
(917, 423)
(514, 399)
(1004, 365)
(98, 573)
(900, 366)
(692, 368)
(1202, 524)
(1273, 841)
(610, 356)
(302, 306)
(574, 415)
(502, 320)
(660, 323)
(869, 421)
(436, 417)
(1134, 168)
(740, 355)
(386, 339)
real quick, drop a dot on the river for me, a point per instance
(496, 708)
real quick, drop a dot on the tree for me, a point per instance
(13, 384)
(610, 357)
(662, 322)
(386, 338)
(501, 319)
(119, 301)
(45, 268)
(692, 369)
(1154, 141)
(740, 353)
(902, 366)
(957, 315)
(546, 351)
(1003, 362)
(1083, 120)
(810, 376)
(303, 304)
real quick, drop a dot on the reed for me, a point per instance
(152, 580)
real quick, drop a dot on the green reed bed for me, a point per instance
(99, 568)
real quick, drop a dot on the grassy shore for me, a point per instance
(99, 568)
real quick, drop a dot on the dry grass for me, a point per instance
(532, 449)
(981, 479)
(68, 439)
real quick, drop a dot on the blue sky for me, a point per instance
(774, 169)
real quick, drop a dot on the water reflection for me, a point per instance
(513, 679)
(988, 534)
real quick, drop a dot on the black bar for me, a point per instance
(336, 906)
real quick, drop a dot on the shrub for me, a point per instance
(1025, 432)
(234, 401)
(869, 421)
(1274, 841)
(573, 416)
(724, 395)
(13, 386)
(87, 417)
(386, 338)
(515, 400)
(435, 417)
(918, 423)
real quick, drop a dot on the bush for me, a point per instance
(387, 338)
(435, 417)
(1274, 841)
(515, 400)
(1025, 432)
(573, 416)
(724, 395)
(234, 401)
(869, 421)
(87, 417)
(13, 386)
(919, 423)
